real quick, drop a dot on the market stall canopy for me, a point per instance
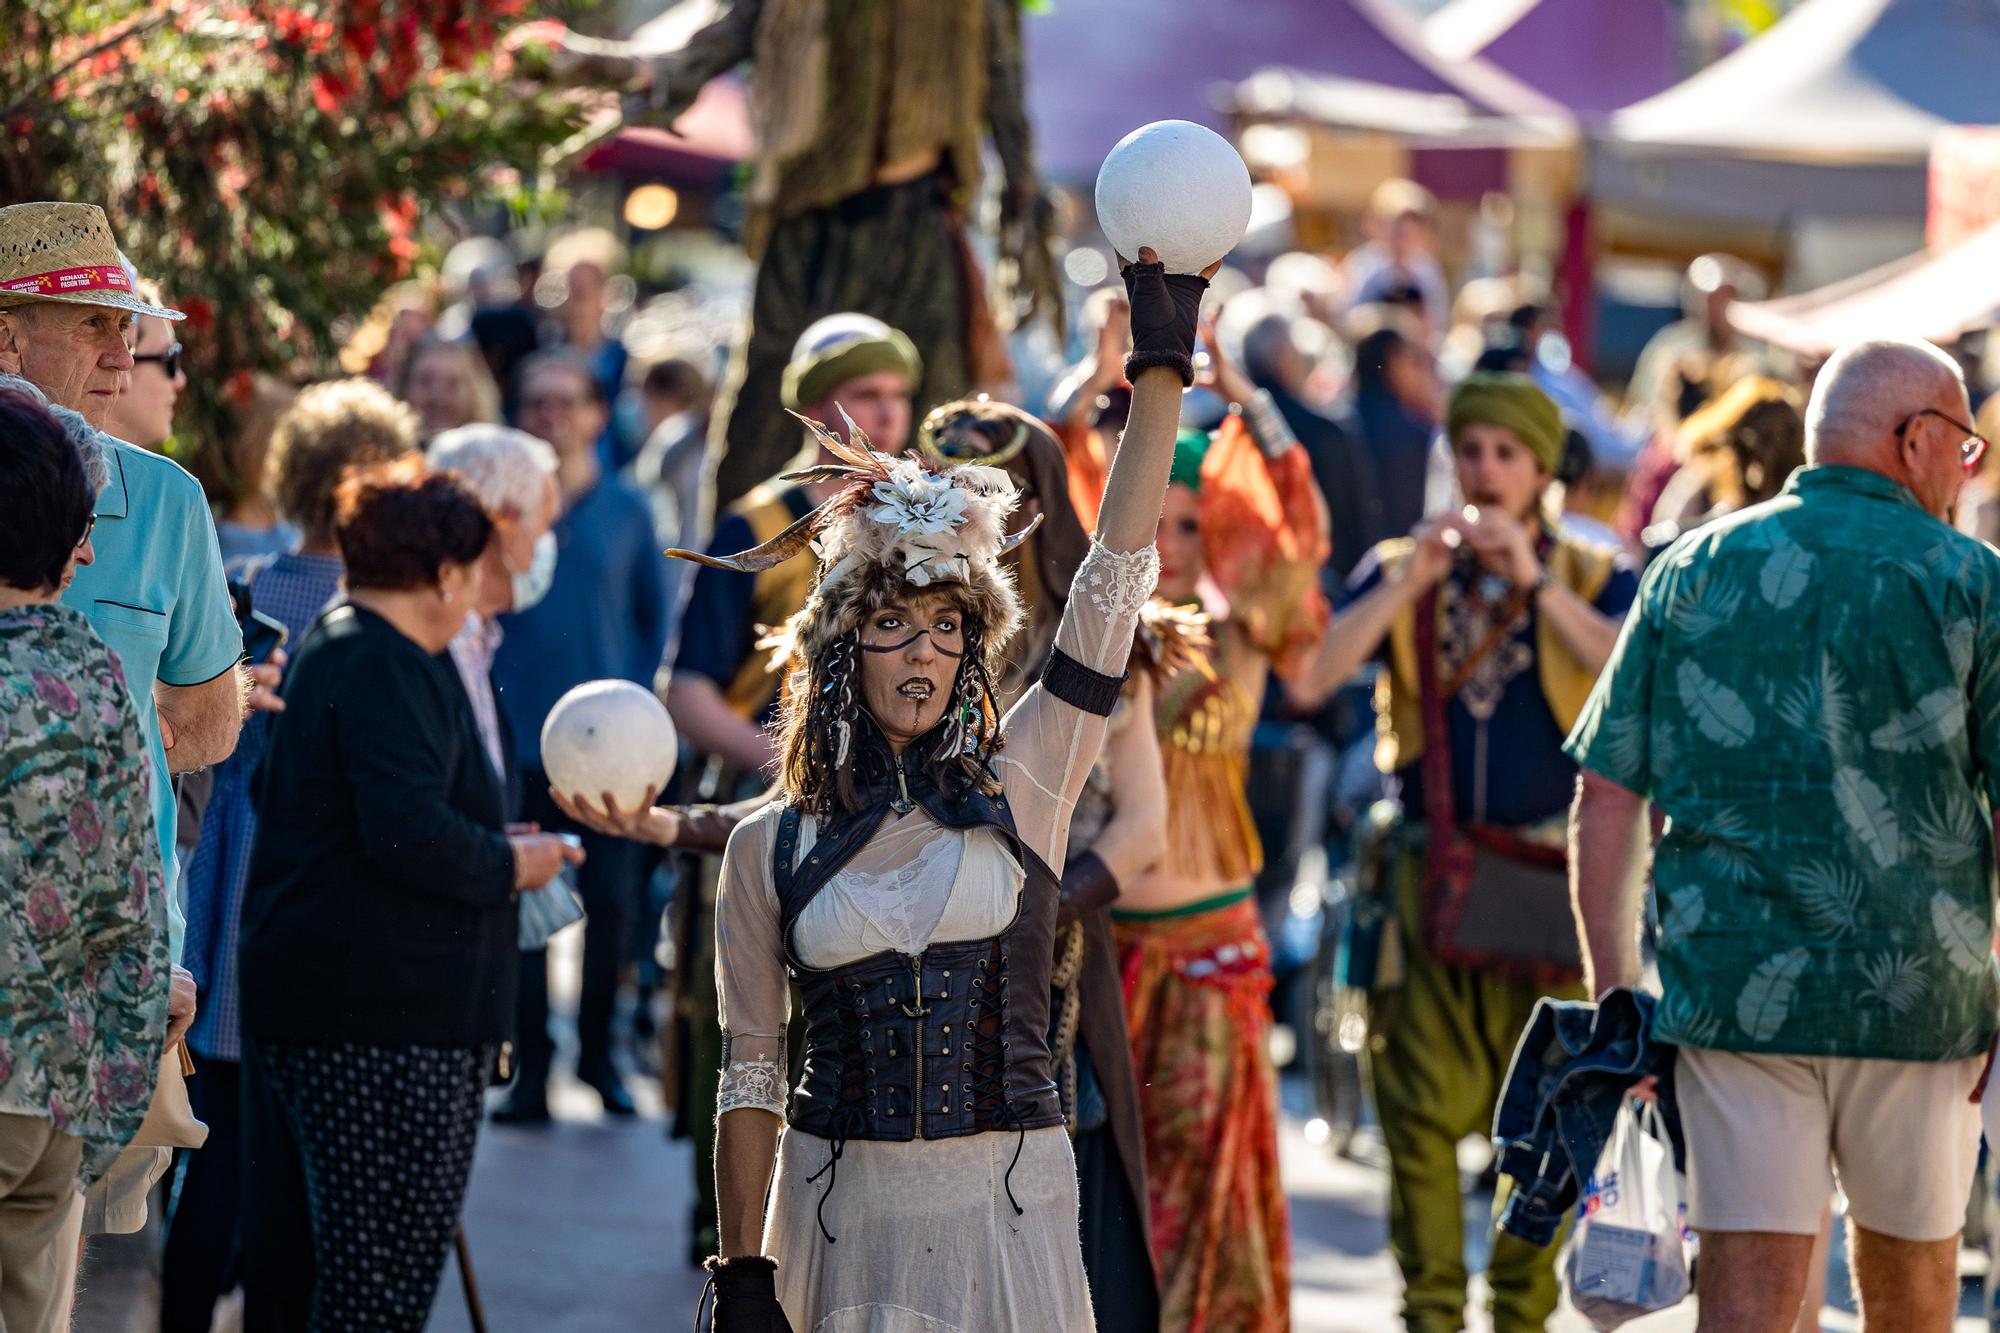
(1938, 296)
(1836, 81)
(1592, 56)
(1829, 115)
(1419, 119)
(1097, 69)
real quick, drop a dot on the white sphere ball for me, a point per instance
(609, 736)
(1178, 187)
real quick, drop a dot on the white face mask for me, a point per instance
(532, 583)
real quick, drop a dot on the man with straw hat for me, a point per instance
(156, 593)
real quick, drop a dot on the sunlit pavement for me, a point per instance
(581, 1227)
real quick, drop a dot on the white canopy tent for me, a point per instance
(1938, 296)
(1830, 114)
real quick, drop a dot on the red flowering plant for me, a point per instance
(275, 166)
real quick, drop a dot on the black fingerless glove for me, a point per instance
(1087, 884)
(745, 1287)
(1165, 307)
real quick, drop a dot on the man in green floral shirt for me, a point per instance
(1810, 692)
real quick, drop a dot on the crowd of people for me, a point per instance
(947, 940)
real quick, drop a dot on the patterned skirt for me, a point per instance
(1195, 993)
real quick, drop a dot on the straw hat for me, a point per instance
(66, 252)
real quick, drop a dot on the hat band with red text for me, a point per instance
(93, 278)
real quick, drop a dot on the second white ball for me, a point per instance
(609, 736)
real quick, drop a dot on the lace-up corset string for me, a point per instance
(850, 1117)
(985, 1068)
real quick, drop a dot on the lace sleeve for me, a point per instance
(1112, 586)
(754, 1084)
(1051, 745)
(752, 997)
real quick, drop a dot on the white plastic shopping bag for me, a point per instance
(1628, 1254)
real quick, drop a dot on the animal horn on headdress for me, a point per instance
(1021, 536)
(758, 558)
(859, 464)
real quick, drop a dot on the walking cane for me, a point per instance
(473, 1308)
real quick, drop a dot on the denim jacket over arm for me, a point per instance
(1560, 1100)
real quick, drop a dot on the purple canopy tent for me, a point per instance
(1593, 56)
(1098, 69)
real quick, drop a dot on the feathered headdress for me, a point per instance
(895, 523)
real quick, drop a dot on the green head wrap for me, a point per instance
(819, 371)
(1190, 448)
(1513, 403)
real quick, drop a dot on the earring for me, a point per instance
(445, 593)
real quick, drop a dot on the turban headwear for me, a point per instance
(1512, 402)
(863, 347)
(1190, 448)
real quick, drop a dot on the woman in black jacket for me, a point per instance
(379, 928)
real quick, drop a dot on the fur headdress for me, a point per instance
(896, 525)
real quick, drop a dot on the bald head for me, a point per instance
(1867, 389)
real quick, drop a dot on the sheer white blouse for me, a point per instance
(916, 883)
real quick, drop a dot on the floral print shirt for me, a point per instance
(83, 937)
(1810, 691)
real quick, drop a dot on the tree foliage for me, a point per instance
(273, 166)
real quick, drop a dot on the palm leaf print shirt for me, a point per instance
(1810, 691)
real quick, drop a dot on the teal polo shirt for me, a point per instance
(156, 594)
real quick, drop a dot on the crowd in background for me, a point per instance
(565, 416)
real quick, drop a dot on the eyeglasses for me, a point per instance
(170, 360)
(1971, 449)
(89, 525)
(555, 402)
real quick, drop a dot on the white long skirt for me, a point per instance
(924, 1239)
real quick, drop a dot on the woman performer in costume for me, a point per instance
(1242, 515)
(1119, 822)
(903, 881)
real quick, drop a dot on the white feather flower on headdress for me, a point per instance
(929, 525)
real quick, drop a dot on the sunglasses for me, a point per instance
(169, 360)
(1970, 450)
(89, 525)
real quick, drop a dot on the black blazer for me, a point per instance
(380, 904)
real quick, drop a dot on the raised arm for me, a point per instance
(1054, 732)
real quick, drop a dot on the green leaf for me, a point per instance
(1717, 710)
(1684, 915)
(1829, 895)
(1966, 937)
(1949, 835)
(1869, 815)
(1897, 980)
(1624, 743)
(1958, 641)
(1786, 574)
(1705, 606)
(1691, 1024)
(1936, 719)
(1766, 999)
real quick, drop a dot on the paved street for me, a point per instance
(582, 1228)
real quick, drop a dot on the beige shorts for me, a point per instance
(1767, 1133)
(116, 1204)
(40, 1210)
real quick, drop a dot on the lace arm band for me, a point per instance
(754, 1084)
